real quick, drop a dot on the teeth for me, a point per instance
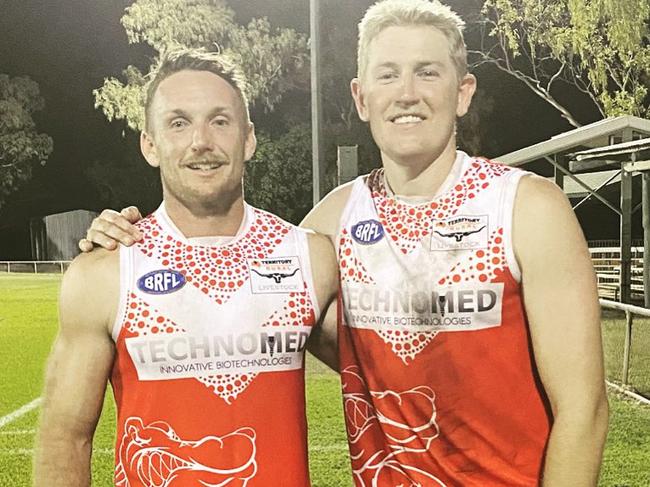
(407, 119)
(203, 167)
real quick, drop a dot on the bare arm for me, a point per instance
(324, 218)
(77, 374)
(322, 341)
(561, 302)
(111, 228)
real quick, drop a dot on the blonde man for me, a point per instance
(470, 349)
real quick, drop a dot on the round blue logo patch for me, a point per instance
(162, 281)
(368, 232)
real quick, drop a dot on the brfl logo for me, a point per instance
(162, 281)
(367, 232)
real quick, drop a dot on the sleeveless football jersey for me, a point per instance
(438, 378)
(208, 376)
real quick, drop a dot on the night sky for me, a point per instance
(69, 46)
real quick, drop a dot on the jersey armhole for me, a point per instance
(507, 217)
(302, 244)
(126, 269)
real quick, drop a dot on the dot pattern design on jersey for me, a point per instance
(297, 310)
(482, 265)
(406, 225)
(351, 268)
(142, 320)
(219, 271)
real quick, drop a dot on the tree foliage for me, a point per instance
(601, 47)
(278, 178)
(273, 60)
(21, 145)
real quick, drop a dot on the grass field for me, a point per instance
(28, 326)
(614, 333)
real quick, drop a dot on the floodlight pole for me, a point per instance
(317, 147)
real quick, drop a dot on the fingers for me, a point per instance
(85, 245)
(111, 228)
(131, 213)
(119, 226)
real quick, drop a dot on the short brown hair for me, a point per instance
(178, 60)
(390, 13)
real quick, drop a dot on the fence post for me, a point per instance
(626, 349)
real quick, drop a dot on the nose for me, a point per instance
(201, 139)
(408, 93)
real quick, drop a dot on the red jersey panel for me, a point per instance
(438, 377)
(209, 374)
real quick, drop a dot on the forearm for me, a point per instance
(575, 447)
(62, 460)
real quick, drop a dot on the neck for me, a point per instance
(203, 222)
(421, 178)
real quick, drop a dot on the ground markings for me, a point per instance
(21, 411)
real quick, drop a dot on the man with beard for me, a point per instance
(202, 325)
(470, 348)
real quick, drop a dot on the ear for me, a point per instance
(148, 149)
(359, 99)
(250, 144)
(465, 93)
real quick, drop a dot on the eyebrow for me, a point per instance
(178, 112)
(420, 64)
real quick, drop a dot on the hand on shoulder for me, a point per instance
(112, 227)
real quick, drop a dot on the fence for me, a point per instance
(627, 349)
(34, 267)
(607, 264)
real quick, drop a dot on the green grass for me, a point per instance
(28, 325)
(613, 343)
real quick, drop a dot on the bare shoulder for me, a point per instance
(541, 205)
(535, 190)
(326, 215)
(90, 289)
(544, 222)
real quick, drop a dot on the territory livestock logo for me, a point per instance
(162, 281)
(276, 275)
(367, 232)
(462, 232)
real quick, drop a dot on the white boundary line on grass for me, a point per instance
(11, 417)
(17, 432)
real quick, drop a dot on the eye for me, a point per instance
(221, 121)
(428, 73)
(387, 76)
(178, 123)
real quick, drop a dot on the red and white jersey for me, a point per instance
(438, 378)
(210, 338)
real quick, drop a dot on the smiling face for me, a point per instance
(410, 94)
(199, 137)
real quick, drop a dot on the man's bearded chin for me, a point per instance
(205, 204)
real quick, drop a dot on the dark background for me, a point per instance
(69, 46)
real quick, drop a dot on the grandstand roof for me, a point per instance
(594, 135)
